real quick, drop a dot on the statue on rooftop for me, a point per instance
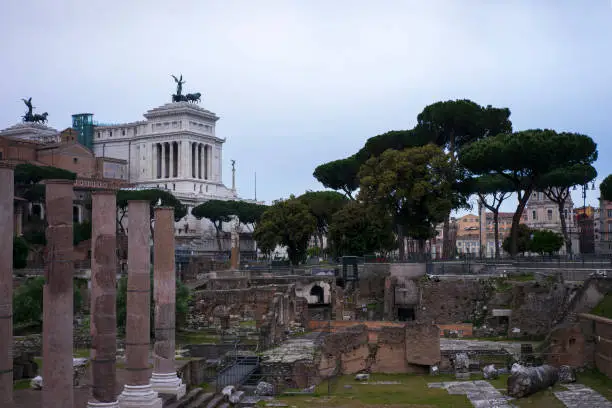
(179, 97)
(30, 116)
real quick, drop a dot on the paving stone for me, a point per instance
(581, 396)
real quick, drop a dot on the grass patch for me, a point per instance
(247, 323)
(523, 277)
(196, 338)
(81, 353)
(21, 384)
(597, 381)
(411, 392)
(604, 308)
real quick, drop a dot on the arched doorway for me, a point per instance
(319, 293)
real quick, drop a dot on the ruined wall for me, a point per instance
(597, 332)
(396, 348)
(452, 301)
(534, 305)
(566, 346)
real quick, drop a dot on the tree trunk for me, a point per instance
(566, 237)
(516, 220)
(529, 380)
(446, 250)
(400, 243)
(496, 233)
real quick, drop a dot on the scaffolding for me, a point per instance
(83, 124)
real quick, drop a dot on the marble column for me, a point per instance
(199, 155)
(153, 160)
(163, 160)
(103, 320)
(6, 284)
(164, 378)
(235, 251)
(57, 297)
(171, 160)
(138, 393)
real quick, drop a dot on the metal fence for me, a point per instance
(287, 368)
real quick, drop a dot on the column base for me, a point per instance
(96, 404)
(168, 383)
(139, 396)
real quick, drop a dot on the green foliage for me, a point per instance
(28, 301)
(288, 223)
(604, 307)
(454, 124)
(413, 185)
(359, 230)
(247, 213)
(395, 139)
(523, 240)
(217, 211)
(154, 196)
(605, 188)
(81, 232)
(20, 252)
(527, 159)
(183, 295)
(545, 242)
(32, 174)
(323, 205)
(339, 175)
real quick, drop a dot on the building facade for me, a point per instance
(542, 213)
(176, 148)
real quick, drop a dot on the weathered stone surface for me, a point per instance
(6, 283)
(103, 320)
(489, 372)
(57, 297)
(362, 377)
(480, 393)
(579, 396)
(164, 378)
(264, 389)
(525, 381)
(566, 374)
(137, 331)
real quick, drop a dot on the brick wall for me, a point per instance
(597, 331)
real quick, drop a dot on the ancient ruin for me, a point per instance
(6, 283)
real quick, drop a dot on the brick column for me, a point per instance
(6, 284)
(103, 320)
(137, 392)
(19, 219)
(164, 378)
(57, 297)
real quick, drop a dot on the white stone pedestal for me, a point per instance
(96, 404)
(168, 383)
(139, 396)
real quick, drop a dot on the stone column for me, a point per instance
(164, 378)
(199, 156)
(18, 219)
(235, 251)
(171, 160)
(153, 161)
(137, 393)
(6, 284)
(57, 297)
(103, 320)
(163, 160)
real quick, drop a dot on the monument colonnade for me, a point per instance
(141, 390)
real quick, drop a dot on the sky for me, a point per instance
(300, 83)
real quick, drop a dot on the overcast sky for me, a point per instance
(299, 83)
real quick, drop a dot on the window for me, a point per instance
(98, 135)
(1, 155)
(173, 186)
(110, 133)
(609, 213)
(549, 213)
(75, 160)
(123, 132)
(534, 215)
